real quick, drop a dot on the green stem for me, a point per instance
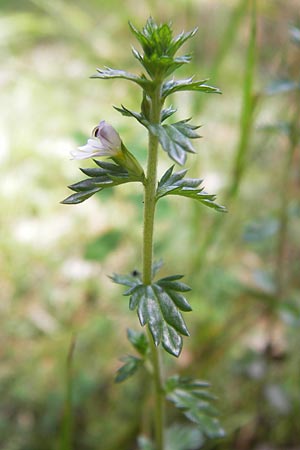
(149, 211)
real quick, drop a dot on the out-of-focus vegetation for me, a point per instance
(55, 259)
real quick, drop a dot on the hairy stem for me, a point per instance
(149, 211)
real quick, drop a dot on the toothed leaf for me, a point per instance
(131, 365)
(138, 340)
(191, 396)
(175, 184)
(104, 176)
(158, 306)
(171, 86)
(108, 73)
(175, 139)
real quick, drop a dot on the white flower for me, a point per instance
(105, 141)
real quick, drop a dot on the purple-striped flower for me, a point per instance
(105, 141)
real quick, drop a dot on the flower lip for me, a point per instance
(107, 135)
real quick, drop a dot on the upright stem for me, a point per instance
(149, 211)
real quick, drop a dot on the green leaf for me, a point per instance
(108, 73)
(167, 112)
(158, 306)
(192, 398)
(125, 280)
(175, 184)
(159, 48)
(128, 113)
(180, 39)
(174, 138)
(132, 364)
(138, 340)
(80, 197)
(105, 176)
(171, 86)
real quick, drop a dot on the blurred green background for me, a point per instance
(244, 266)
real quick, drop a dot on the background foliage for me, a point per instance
(54, 261)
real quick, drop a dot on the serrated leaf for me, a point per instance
(108, 73)
(132, 364)
(170, 311)
(180, 39)
(172, 86)
(138, 340)
(125, 280)
(128, 113)
(167, 112)
(158, 306)
(175, 184)
(191, 397)
(104, 176)
(175, 138)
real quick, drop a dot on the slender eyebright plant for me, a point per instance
(159, 301)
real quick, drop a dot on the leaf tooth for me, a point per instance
(180, 301)
(171, 340)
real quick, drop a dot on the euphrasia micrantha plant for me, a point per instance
(159, 301)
